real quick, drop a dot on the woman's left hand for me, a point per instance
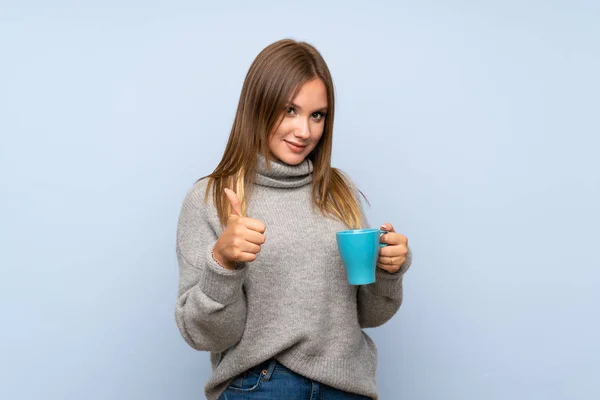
(392, 256)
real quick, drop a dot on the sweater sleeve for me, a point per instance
(211, 306)
(378, 302)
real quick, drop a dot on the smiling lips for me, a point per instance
(297, 148)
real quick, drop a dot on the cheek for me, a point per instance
(282, 129)
(275, 140)
(317, 132)
(275, 134)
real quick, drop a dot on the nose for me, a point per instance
(302, 130)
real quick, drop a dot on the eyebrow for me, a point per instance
(300, 108)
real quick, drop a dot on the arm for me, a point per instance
(211, 305)
(379, 301)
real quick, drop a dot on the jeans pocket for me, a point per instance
(248, 381)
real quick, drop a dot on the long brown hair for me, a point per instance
(275, 76)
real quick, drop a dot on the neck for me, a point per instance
(281, 175)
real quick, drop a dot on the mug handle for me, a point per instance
(381, 233)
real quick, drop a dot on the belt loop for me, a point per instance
(270, 368)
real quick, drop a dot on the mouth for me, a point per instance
(295, 146)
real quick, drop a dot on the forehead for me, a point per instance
(313, 93)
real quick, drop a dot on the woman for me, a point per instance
(262, 286)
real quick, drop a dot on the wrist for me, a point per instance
(221, 261)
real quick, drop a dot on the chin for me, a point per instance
(294, 159)
(291, 158)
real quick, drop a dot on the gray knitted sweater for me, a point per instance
(292, 303)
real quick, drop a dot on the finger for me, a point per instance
(388, 268)
(246, 257)
(385, 237)
(391, 262)
(388, 238)
(386, 260)
(394, 238)
(254, 224)
(248, 247)
(387, 227)
(392, 251)
(234, 200)
(254, 237)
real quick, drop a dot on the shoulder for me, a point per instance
(198, 188)
(197, 191)
(195, 199)
(197, 208)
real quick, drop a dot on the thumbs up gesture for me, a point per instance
(242, 237)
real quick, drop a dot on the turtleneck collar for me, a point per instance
(282, 175)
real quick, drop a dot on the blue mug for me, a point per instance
(359, 250)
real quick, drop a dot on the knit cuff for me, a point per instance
(406, 264)
(221, 284)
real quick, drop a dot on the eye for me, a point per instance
(318, 116)
(290, 110)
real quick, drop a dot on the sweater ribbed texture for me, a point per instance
(293, 302)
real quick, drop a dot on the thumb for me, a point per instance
(234, 200)
(388, 227)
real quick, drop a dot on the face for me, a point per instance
(302, 124)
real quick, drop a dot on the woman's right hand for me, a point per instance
(242, 237)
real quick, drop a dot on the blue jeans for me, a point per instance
(272, 381)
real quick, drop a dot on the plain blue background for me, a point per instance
(471, 126)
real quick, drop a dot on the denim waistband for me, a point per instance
(267, 367)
